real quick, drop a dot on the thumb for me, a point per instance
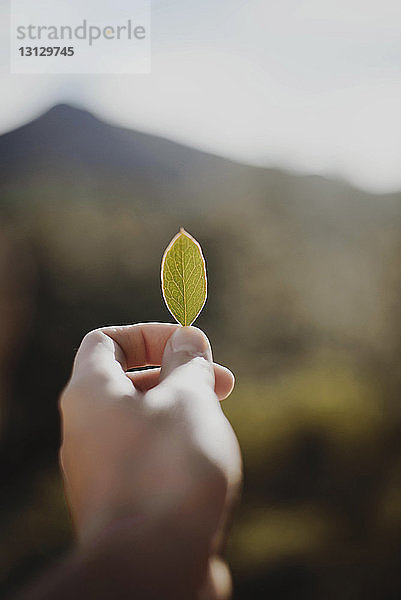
(188, 358)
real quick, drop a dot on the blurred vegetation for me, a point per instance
(303, 305)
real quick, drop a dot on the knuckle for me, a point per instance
(185, 391)
(64, 399)
(93, 336)
(70, 398)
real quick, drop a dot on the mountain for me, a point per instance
(67, 145)
(66, 135)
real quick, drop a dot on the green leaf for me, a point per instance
(183, 275)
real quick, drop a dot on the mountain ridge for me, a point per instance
(68, 148)
(65, 121)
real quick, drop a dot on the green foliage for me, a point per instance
(315, 442)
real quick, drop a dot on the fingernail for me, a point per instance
(192, 341)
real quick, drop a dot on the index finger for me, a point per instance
(139, 345)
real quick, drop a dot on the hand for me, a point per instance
(150, 453)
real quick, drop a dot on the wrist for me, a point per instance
(148, 557)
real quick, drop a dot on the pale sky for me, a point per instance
(308, 85)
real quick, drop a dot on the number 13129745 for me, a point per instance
(46, 51)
